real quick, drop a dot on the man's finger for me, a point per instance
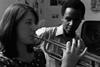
(68, 46)
(73, 45)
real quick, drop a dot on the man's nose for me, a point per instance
(71, 22)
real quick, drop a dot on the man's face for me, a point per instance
(71, 20)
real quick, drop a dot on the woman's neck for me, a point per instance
(24, 55)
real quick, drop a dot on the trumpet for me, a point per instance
(87, 54)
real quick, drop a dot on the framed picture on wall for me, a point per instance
(56, 2)
(95, 5)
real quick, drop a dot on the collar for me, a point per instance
(59, 30)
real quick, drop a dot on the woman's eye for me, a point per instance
(28, 22)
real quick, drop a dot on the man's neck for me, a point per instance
(71, 35)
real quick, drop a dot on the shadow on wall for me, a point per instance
(91, 36)
(45, 23)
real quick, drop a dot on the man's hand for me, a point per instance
(72, 53)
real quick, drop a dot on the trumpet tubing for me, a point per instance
(87, 55)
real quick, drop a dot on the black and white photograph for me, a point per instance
(49, 33)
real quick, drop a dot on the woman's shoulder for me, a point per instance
(39, 60)
(4, 61)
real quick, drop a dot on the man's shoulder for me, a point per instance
(44, 30)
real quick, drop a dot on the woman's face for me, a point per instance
(26, 29)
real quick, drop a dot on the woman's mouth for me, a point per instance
(35, 39)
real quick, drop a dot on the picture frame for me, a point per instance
(95, 5)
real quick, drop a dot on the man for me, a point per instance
(72, 15)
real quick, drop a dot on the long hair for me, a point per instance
(8, 27)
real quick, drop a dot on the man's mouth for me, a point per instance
(68, 28)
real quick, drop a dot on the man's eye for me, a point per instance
(68, 19)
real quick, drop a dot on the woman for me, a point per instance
(17, 28)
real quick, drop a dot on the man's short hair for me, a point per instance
(78, 5)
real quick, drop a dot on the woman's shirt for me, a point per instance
(38, 61)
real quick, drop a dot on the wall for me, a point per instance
(4, 4)
(51, 14)
(90, 15)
